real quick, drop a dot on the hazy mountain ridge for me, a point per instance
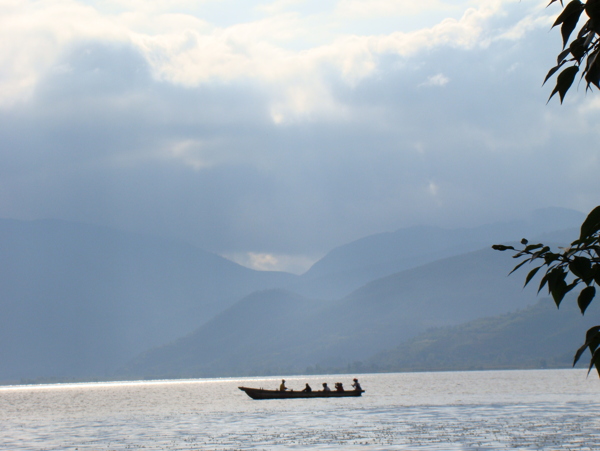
(79, 300)
(335, 333)
(539, 336)
(352, 265)
(279, 322)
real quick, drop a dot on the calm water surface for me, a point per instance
(529, 410)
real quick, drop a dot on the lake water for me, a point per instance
(491, 410)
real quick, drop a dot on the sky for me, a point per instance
(272, 132)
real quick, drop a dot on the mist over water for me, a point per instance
(546, 409)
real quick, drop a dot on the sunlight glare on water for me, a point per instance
(546, 409)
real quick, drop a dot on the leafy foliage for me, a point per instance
(579, 54)
(566, 269)
(578, 264)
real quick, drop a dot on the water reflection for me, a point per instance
(552, 409)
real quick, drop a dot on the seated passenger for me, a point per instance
(307, 389)
(339, 386)
(325, 387)
(356, 385)
(282, 387)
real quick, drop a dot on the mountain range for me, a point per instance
(82, 302)
(538, 336)
(276, 330)
(352, 265)
(79, 301)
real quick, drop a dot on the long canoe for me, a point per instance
(259, 393)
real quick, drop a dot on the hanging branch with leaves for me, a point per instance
(576, 265)
(582, 52)
(579, 264)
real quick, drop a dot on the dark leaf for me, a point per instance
(577, 48)
(582, 267)
(532, 247)
(569, 18)
(568, 26)
(553, 71)
(592, 9)
(502, 247)
(583, 32)
(591, 60)
(592, 71)
(541, 252)
(570, 252)
(592, 334)
(518, 266)
(560, 59)
(596, 273)
(585, 298)
(524, 242)
(592, 337)
(557, 285)
(543, 282)
(558, 292)
(531, 274)
(595, 361)
(573, 285)
(579, 353)
(592, 74)
(591, 224)
(564, 82)
(589, 36)
(570, 9)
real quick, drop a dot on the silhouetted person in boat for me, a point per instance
(325, 387)
(339, 386)
(307, 389)
(282, 387)
(356, 385)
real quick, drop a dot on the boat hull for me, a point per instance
(259, 393)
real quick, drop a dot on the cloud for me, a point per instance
(278, 6)
(436, 80)
(433, 189)
(296, 264)
(275, 138)
(375, 8)
(183, 49)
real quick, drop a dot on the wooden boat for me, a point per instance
(259, 393)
